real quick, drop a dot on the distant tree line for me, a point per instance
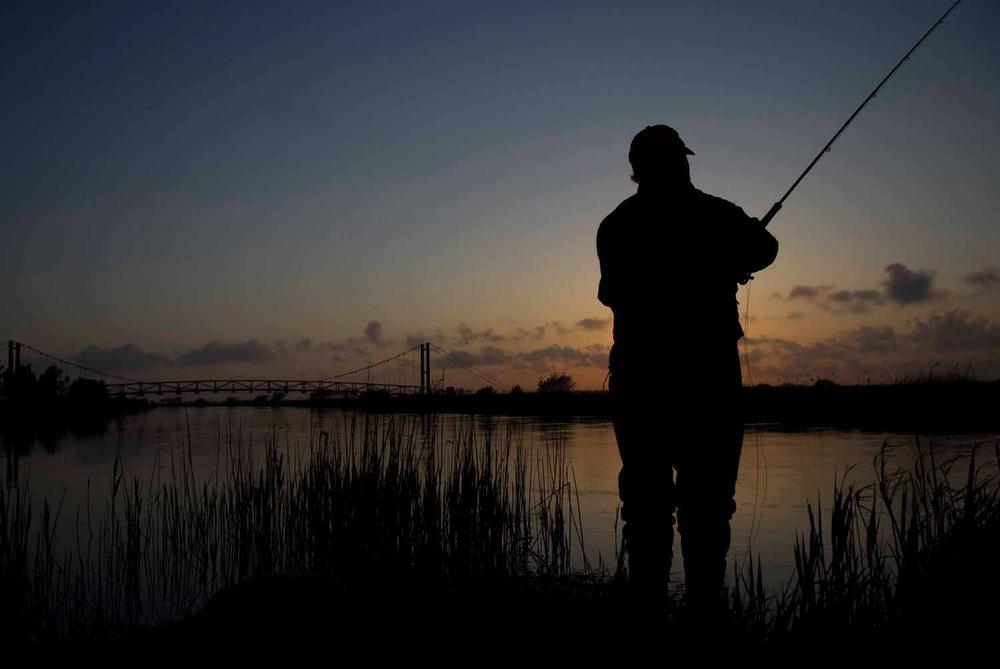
(557, 383)
(23, 385)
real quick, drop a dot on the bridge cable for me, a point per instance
(78, 366)
(451, 356)
(483, 375)
(371, 365)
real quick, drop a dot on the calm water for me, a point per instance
(780, 471)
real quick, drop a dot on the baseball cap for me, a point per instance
(656, 139)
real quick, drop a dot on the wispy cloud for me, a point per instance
(593, 324)
(466, 335)
(853, 301)
(949, 338)
(127, 357)
(215, 352)
(984, 279)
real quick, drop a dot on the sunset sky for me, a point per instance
(248, 189)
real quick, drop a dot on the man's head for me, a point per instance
(659, 156)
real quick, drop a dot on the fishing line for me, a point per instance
(759, 499)
(757, 509)
(776, 207)
(746, 333)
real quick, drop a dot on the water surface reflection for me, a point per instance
(780, 470)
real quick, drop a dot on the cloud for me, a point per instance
(128, 356)
(838, 301)
(559, 327)
(869, 339)
(466, 335)
(488, 356)
(834, 357)
(341, 351)
(215, 352)
(806, 292)
(373, 335)
(984, 279)
(853, 301)
(373, 332)
(522, 333)
(304, 345)
(593, 324)
(543, 359)
(905, 286)
(953, 338)
(956, 331)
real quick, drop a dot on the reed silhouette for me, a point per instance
(378, 504)
(367, 543)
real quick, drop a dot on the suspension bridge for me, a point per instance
(389, 375)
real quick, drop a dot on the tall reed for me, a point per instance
(369, 496)
(914, 552)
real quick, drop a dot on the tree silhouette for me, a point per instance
(557, 382)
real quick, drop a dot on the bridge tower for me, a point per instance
(425, 368)
(13, 363)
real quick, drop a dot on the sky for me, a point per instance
(293, 189)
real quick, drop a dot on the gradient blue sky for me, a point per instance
(255, 175)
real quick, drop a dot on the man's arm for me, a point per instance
(761, 247)
(606, 289)
(754, 248)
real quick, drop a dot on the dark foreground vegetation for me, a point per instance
(396, 541)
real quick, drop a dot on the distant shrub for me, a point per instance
(87, 390)
(556, 383)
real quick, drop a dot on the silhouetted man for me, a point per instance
(671, 258)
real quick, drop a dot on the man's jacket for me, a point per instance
(670, 265)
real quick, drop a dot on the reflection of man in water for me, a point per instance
(671, 257)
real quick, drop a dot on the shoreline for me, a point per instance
(957, 407)
(966, 407)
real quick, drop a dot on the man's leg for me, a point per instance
(706, 490)
(645, 486)
(707, 470)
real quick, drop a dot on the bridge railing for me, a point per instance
(260, 386)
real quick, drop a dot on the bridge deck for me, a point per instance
(258, 386)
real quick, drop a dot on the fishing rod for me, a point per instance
(777, 205)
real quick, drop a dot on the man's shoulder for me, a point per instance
(623, 211)
(716, 203)
(624, 207)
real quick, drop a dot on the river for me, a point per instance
(780, 472)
